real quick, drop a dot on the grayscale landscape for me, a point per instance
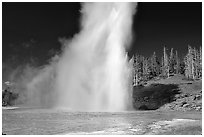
(73, 68)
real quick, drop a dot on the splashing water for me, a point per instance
(92, 74)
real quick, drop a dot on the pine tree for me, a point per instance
(188, 63)
(196, 62)
(191, 63)
(154, 63)
(177, 66)
(145, 68)
(200, 62)
(136, 71)
(165, 64)
(172, 62)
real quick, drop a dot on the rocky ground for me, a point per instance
(185, 102)
(175, 93)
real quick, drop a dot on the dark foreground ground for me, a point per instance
(44, 121)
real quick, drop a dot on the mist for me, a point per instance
(92, 73)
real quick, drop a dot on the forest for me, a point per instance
(146, 68)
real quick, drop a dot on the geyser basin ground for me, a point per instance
(47, 121)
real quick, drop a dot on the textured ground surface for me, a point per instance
(44, 121)
(173, 93)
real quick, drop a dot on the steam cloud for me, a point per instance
(92, 73)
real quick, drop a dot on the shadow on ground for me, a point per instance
(154, 96)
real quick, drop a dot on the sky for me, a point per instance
(31, 31)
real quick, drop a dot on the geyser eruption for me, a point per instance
(92, 74)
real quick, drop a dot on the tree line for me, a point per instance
(146, 68)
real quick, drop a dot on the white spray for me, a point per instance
(92, 74)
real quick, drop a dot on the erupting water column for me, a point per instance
(92, 73)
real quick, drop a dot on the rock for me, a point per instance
(191, 98)
(177, 96)
(198, 108)
(185, 95)
(174, 99)
(168, 107)
(172, 106)
(181, 103)
(186, 105)
(181, 100)
(146, 98)
(177, 107)
(198, 97)
(193, 106)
